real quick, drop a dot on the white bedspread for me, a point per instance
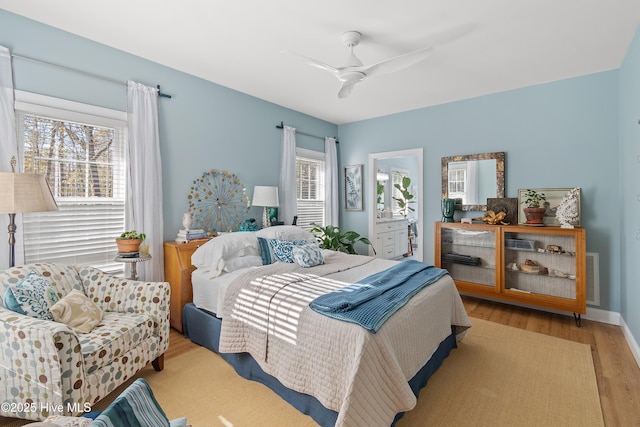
(361, 375)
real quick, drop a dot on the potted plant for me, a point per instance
(380, 195)
(332, 237)
(406, 196)
(130, 241)
(533, 212)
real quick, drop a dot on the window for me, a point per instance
(81, 150)
(310, 187)
(457, 181)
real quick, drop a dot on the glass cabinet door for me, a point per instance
(538, 263)
(469, 255)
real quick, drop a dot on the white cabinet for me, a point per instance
(392, 238)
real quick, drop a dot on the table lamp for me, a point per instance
(267, 197)
(22, 193)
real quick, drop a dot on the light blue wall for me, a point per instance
(629, 165)
(557, 135)
(204, 126)
(576, 132)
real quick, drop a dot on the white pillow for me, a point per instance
(308, 255)
(216, 251)
(77, 311)
(286, 232)
(238, 263)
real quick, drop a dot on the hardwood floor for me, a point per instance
(616, 370)
(178, 345)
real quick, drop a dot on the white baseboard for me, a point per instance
(633, 344)
(603, 316)
(614, 318)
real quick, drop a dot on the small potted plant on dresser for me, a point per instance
(533, 212)
(130, 241)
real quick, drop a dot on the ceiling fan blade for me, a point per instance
(313, 62)
(345, 89)
(348, 78)
(398, 63)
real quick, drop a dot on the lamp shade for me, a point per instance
(265, 196)
(25, 192)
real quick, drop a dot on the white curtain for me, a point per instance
(8, 149)
(287, 189)
(143, 211)
(331, 177)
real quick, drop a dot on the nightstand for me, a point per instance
(177, 271)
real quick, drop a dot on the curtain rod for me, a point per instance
(281, 126)
(74, 70)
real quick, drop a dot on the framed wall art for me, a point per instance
(553, 198)
(218, 201)
(508, 205)
(353, 188)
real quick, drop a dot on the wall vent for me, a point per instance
(593, 278)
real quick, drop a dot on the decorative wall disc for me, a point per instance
(218, 201)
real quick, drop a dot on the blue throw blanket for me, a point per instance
(373, 300)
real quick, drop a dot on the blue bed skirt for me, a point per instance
(203, 328)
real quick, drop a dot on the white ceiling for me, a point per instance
(480, 47)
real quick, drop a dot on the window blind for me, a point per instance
(310, 188)
(82, 154)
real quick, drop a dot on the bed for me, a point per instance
(252, 306)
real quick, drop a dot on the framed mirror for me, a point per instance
(473, 178)
(382, 167)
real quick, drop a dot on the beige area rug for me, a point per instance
(504, 376)
(498, 376)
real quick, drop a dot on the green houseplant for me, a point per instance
(380, 194)
(130, 241)
(533, 212)
(406, 196)
(333, 238)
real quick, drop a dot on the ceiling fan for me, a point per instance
(355, 71)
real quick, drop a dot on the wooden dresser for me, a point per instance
(177, 271)
(537, 266)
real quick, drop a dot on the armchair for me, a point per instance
(46, 368)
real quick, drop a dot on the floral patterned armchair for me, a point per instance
(47, 368)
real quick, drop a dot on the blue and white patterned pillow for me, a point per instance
(308, 255)
(34, 296)
(135, 407)
(273, 250)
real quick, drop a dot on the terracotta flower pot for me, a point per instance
(128, 245)
(534, 215)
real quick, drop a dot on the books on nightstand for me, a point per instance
(185, 236)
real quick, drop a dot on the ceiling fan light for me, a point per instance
(351, 76)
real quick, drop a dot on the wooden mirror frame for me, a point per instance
(498, 156)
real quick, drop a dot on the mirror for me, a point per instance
(473, 178)
(383, 170)
(382, 192)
